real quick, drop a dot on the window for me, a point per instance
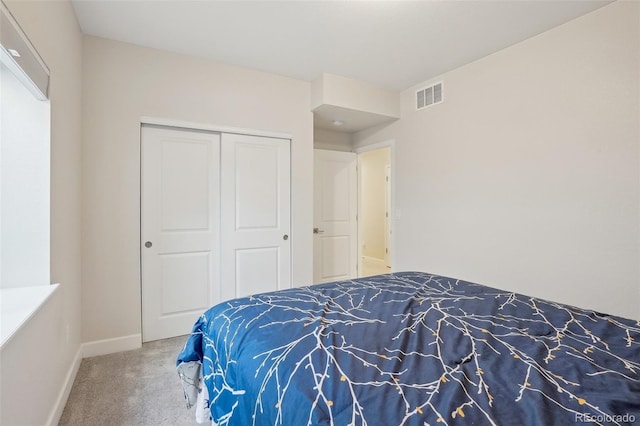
(24, 177)
(24, 185)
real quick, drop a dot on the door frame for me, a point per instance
(167, 122)
(391, 144)
(389, 215)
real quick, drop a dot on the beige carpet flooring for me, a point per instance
(139, 387)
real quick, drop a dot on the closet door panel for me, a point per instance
(255, 195)
(180, 235)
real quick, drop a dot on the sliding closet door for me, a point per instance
(255, 231)
(180, 228)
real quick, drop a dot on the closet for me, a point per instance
(215, 222)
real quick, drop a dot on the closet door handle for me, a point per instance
(285, 237)
(148, 244)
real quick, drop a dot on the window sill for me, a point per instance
(18, 305)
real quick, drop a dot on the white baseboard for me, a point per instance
(374, 261)
(86, 350)
(63, 396)
(110, 346)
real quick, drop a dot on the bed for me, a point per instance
(410, 348)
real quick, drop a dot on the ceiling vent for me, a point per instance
(429, 96)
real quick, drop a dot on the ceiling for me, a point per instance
(392, 44)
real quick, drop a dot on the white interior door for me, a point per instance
(180, 228)
(256, 217)
(335, 216)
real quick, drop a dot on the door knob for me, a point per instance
(318, 231)
(285, 237)
(148, 244)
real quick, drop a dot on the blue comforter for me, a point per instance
(412, 349)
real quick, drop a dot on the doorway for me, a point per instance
(353, 201)
(374, 211)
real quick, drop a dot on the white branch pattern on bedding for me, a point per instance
(429, 348)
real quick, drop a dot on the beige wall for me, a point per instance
(527, 177)
(331, 140)
(336, 90)
(55, 331)
(373, 202)
(122, 83)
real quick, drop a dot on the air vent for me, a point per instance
(429, 96)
